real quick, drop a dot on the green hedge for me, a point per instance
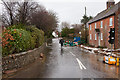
(18, 39)
(36, 34)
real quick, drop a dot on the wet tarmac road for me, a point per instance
(69, 62)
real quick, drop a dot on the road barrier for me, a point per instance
(117, 63)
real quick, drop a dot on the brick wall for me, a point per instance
(119, 25)
(105, 30)
(117, 28)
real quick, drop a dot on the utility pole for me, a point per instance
(85, 11)
(85, 27)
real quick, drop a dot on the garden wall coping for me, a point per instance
(22, 59)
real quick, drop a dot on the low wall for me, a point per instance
(19, 60)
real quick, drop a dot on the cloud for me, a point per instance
(75, 0)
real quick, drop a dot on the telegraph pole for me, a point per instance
(85, 27)
(85, 11)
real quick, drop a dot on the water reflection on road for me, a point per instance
(62, 63)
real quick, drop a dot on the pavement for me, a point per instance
(104, 51)
(68, 62)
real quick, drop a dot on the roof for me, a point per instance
(105, 13)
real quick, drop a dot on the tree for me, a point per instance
(29, 13)
(17, 12)
(84, 21)
(25, 9)
(65, 24)
(66, 32)
(47, 21)
(77, 28)
(8, 12)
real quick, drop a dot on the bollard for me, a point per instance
(117, 62)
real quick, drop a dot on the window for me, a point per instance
(95, 25)
(95, 37)
(101, 24)
(90, 27)
(111, 21)
(101, 36)
(90, 36)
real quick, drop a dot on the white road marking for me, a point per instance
(80, 64)
(72, 53)
(83, 66)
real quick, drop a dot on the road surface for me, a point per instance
(68, 62)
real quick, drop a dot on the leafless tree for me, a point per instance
(29, 13)
(17, 12)
(8, 12)
(45, 20)
(25, 10)
(65, 24)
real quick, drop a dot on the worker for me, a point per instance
(61, 42)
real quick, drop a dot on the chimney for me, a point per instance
(110, 3)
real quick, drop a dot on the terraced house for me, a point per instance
(100, 25)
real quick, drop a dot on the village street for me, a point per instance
(69, 62)
(60, 39)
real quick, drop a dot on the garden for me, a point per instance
(20, 38)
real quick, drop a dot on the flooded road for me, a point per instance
(68, 62)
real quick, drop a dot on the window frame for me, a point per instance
(95, 37)
(111, 22)
(101, 24)
(90, 27)
(95, 25)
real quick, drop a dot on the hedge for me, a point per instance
(36, 34)
(17, 39)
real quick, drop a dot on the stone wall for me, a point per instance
(19, 60)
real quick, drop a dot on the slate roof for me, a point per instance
(105, 13)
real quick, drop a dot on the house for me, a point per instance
(100, 25)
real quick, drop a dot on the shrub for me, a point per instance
(37, 34)
(7, 42)
(66, 32)
(0, 43)
(15, 40)
(24, 40)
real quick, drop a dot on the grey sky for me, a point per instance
(72, 10)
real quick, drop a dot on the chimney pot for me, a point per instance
(110, 3)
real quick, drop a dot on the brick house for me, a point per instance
(100, 25)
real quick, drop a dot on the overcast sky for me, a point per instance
(72, 10)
